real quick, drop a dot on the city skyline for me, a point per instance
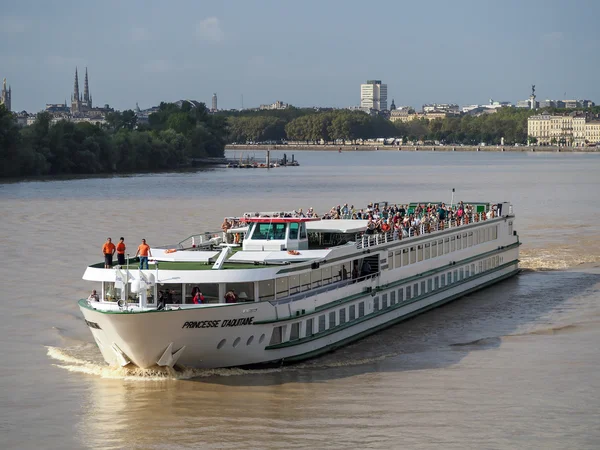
(309, 54)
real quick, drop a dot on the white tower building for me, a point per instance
(373, 95)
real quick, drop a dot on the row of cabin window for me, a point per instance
(293, 284)
(387, 300)
(420, 252)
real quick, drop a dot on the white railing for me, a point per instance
(370, 240)
(200, 241)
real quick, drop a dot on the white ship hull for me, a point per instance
(225, 335)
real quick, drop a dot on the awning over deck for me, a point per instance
(337, 226)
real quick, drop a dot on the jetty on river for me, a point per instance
(252, 162)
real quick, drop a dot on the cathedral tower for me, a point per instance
(75, 99)
(5, 96)
(87, 98)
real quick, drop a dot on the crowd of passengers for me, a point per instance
(397, 219)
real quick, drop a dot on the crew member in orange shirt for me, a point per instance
(143, 251)
(121, 251)
(108, 250)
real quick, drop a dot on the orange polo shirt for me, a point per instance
(144, 249)
(121, 248)
(108, 248)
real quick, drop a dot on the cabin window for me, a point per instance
(266, 290)
(461, 274)
(309, 327)
(452, 243)
(455, 276)
(440, 247)
(294, 282)
(400, 295)
(322, 326)
(464, 240)
(436, 283)
(467, 272)
(305, 281)
(449, 277)
(361, 309)
(390, 260)
(276, 336)
(342, 316)
(327, 275)
(487, 234)
(408, 292)
(384, 303)
(497, 261)
(427, 251)
(447, 246)
(398, 258)
(495, 232)
(111, 294)
(352, 312)
(422, 291)
(480, 266)
(211, 291)
(510, 228)
(472, 269)
(416, 290)
(315, 278)
(458, 242)
(443, 280)
(295, 331)
(419, 253)
(282, 287)
(404, 257)
(475, 237)
(244, 291)
(294, 230)
(470, 239)
(173, 293)
(302, 230)
(392, 298)
(429, 285)
(346, 270)
(413, 255)
(434, 249)
(376, 304)
(336, 272)
(332, 323)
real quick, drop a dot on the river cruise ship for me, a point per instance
(282, 287)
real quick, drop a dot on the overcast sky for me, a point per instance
(306, 53)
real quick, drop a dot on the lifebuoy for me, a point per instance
(293, 252)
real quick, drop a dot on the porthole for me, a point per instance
(236, 342)
(221, 344)
(261, 339)
(249, 341)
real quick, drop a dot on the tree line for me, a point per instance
(173, 137)
(345, 126)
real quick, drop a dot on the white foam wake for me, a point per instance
(70, 359)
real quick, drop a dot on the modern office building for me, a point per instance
(373, 95)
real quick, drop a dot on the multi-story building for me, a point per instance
(214, 103)
(441, 107)
(574, 129)
(277, 105)
(403, 115)
(373, 95)
(6, 96)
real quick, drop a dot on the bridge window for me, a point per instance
(302, 230)
(266, 231)
(294, 227)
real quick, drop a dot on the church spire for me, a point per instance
(76, 86)
(86, 89)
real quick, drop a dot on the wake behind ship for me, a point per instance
(286, 286)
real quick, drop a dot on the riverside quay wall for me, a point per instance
(416, 148)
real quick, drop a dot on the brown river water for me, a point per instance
(514, 366)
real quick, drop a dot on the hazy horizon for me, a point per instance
(306, 54)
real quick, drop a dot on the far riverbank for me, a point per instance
(413, 148)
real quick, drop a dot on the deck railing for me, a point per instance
(366, 240)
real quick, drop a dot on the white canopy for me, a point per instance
(160, 254)
(337, 226)
(303, 255)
